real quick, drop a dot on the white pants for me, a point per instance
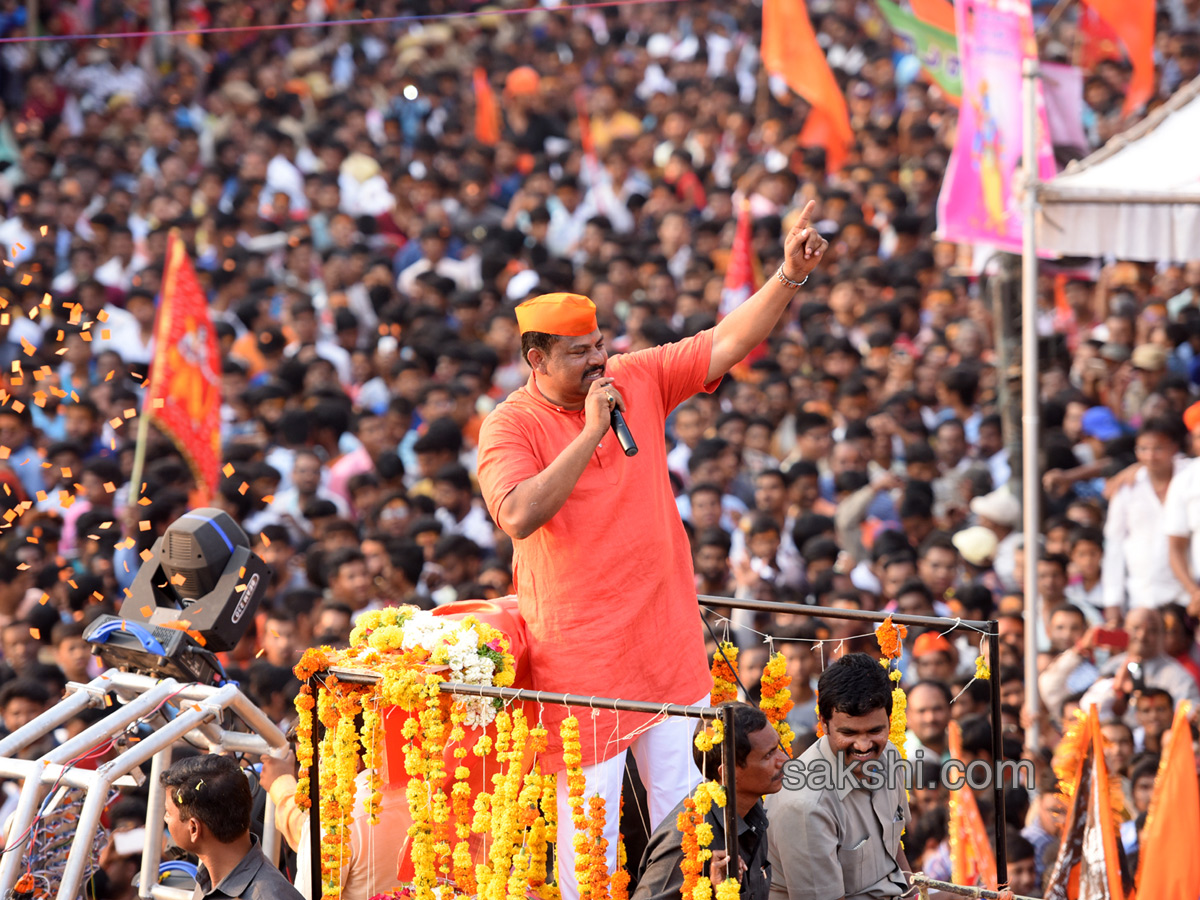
(668, 771)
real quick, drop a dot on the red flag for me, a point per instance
(743, 274)
(972, 860)
(1087, 867)
(1134, 24)
(938, 13)
(790, 50)
(487, 113)
(1168, 864)
(184, 393)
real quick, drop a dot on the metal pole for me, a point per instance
(358, 676)
(926, 882)
(1030, 414)
(826, 612)
(155, 801)
(997, 757)
(314, 800)
(733, 847)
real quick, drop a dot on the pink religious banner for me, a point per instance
(980, 200)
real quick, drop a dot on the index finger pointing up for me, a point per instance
(806, 215)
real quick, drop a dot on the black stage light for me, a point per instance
(196, 594)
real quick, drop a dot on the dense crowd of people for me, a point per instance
(363, 253)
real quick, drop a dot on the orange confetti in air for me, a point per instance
(27, 347)
(5, 452)
(178, 578)
(145, 501)
(44, 599)
(145, 555)
(116, 422)
(259, 653)
(105, 334)
(18, 407)
(268, 498)
(41, 495)
(35, 634)
(266, 540)
(110, 487)
(109, 376)
(66, 472)
(26, 280)
(243, 488)
(45, 230)
(228, 470)
(159, 403)
(146, 611)
(102, 316)
(129, 413)
(143, 526)
(22, 567)
(39, 399)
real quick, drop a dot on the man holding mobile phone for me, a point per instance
(1144, 664)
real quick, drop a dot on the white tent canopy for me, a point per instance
(1137, 197)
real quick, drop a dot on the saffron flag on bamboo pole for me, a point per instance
(487, 112)
(1168, 861)
(1088, 867)
(1133, 22)
(972, 860)
(183, 397)
(790, 50)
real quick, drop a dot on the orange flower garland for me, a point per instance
(891, 637)
(777, 698)
(724, 674)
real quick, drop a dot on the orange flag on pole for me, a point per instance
(972, 860)
(1087, 867)
(1168, 861)
(487, 113)
(1134, 23)
(743, 275)
(183, 397)
(938, 13)
(790, 50)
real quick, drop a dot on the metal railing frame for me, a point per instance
(989, 628)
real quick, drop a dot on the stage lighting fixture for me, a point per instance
(196, 595)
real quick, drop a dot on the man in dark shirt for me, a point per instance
(208, 813)
(758, 761)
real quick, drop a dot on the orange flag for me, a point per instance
(1087, 867)
(743, 275)
(938, 13)
(1134, 22)
(790, 50)
(1168, 861)
(184, 394)
(487, 113)
(972, 861)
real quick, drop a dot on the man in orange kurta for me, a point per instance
(601, 562)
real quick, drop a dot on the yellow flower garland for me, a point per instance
(890, 637)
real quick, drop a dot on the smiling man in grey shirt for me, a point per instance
(832, 836)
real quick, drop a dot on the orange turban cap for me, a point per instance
(568, 315)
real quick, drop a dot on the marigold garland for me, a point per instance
(413, 653)
(697, 835)
(982, 672)
(777, 698)
(724, 674)
(891, 637)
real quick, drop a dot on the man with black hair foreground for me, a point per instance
(836, 839)
(758, 771)
(208, 806)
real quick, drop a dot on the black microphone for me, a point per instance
(624, 436)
